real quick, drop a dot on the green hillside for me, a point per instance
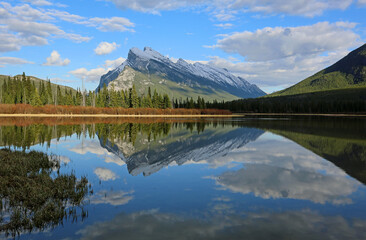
(37, 82)
(347, 100)
(347, 73)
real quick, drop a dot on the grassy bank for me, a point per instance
(26, 109)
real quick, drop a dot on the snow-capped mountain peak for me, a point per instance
(149, 61)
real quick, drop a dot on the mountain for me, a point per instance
(349, 72)
(178, 147)
(180, 79)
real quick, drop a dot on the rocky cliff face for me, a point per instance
(149, 64)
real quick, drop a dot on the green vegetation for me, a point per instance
(350, 100)
(22, 90)
(27, 85)
(349, 72)
(34, 195)
(37, 92)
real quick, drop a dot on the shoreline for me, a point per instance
(118, 116)
(181, 115)
(306, 114)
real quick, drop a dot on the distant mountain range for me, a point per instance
(347, 73)
(180, 79)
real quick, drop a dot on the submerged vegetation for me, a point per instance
(35, 195)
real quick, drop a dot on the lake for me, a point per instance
(233, 178)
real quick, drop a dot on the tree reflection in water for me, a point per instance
(35, 195)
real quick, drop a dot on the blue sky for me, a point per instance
(273, 44)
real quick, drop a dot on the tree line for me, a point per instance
(22, 90)
(292, 105)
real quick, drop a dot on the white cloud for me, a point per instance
(105, 174)
(279, 57)
(224, 25)
(154, 6)
(13, 61)
(75, 37)
(275, 182)
(64, 159)
(112, 198)
(361, 2)
(55, 60)
(112, 64)
(279, 42)
(263, 224)
(23, 25)
(39, 2)
(114, 24)
(280, 73)
(105, 48)
(225, 10)
(60, 80)
(93, 75)
(308, 8)
(95, 148)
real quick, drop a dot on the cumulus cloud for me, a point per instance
(93, 75)
(114, 24)
(114, 63)
(224, 25)
(308, 8)
(105, 174)
(112, 198)
(105, 48)
(279, 42)
(274, 182)
(95, 148)
(280, 73)
(282, 56)
(13, 61)
(154, 6)
(24, 25)
(284, 169)
(225, 9)
(64, 159)
(156, 225)
(39, 2)
(56, 60)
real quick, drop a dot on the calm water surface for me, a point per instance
(236, 178)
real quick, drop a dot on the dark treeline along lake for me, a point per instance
(234, 178)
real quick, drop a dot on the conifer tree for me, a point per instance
(35, 99)
(134, 98)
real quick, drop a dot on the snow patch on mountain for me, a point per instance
(149, 59)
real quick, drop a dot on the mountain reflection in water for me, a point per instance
(298, 178)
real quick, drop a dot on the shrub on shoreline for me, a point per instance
(52, 109)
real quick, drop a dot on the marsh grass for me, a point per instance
(34, 197)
